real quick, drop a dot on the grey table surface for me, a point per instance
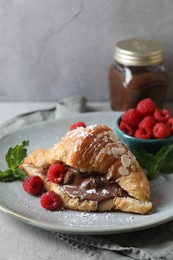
(20, 241)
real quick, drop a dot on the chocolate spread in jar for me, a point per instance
(90, 186)
(138, 73)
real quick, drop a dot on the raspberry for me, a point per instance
(50, 200)
(161, 130)
(146, 107)
(77, 124)
(170, 123)
(126, 128)
(162, 115)
(131, 117)
(33, 185)
(56, 173)
(143, 133)
(147, 122)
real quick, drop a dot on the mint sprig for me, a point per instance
(14, 158)
(161, 162)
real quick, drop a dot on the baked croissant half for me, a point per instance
(101, 172)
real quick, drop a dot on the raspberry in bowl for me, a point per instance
(145, 127)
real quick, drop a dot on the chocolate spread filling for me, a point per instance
(90, 186)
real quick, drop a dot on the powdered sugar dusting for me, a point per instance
(105, 192)
(91, 191)
(100, 143)
(92, 127)
(130, 219)
(85, 221)
(75, 148)
(55, 146)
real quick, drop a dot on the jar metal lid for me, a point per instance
(138, 52)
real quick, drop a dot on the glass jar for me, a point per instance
(138, 72)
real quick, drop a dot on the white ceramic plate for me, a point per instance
(17, 203)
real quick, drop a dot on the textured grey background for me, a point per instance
(51, 49)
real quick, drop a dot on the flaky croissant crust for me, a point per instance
(96, 149)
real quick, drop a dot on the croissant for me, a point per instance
(102, 173)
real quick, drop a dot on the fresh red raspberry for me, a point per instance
(56, 173)
(161, 130)
(131, 117)
(147, 122)
(77, 124)
(162, 115)
(170, 123)
(143, 133)
(146, 107)
(33, 185)
(126, 128)
(50, 200)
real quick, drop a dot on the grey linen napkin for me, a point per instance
(151, 244)
(68, 106)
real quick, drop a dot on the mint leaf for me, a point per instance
(6, 176)
(19, 173)
(163, 152)
(167, 165)
(155, 163)
(14, 158)
(144, 158)
(16, 155)
(152, 171)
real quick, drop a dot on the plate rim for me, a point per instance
(79, 230)
(76, 229)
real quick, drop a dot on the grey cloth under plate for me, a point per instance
(150, 244)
